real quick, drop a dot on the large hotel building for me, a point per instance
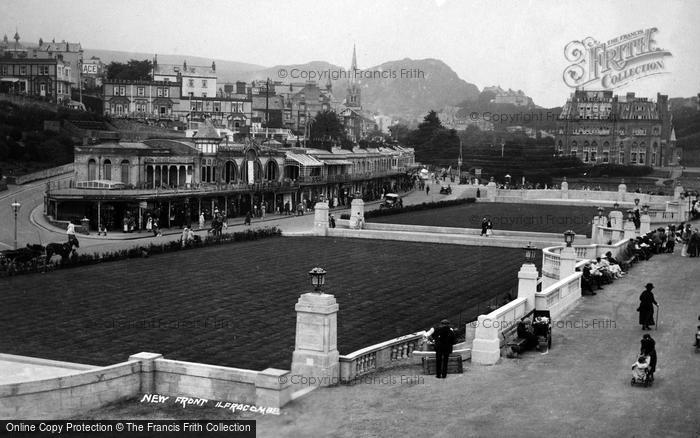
(600, 128)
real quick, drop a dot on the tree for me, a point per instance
(426, 129)
(400, 133)
(133, 70)
(326, 128)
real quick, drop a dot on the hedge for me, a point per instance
(415, 207)
(77, 260)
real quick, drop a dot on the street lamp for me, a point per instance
(318, 278)
(15, 207)
(530, 253)
(569, 238)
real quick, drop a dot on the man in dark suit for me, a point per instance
(444, 338)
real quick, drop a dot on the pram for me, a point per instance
(641, 373)
(542, 328)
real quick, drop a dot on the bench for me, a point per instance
(454, 364)
(511, 339)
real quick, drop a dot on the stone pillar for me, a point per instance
(357, 210)
(527, 284)
(148, 366)
(321, 218)
(316, 347)
(630, 230)
(272, 388)
(486, 348)
(616, 219)
(564, 189)
(644, 224)
(621, 190)
(491, 190)
(677, 192)
(567, 262)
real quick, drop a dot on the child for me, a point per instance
(639, 369)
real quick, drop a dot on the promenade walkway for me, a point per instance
(581, 387)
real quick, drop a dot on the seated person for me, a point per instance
(613, 261)
(600, 273)
(590, 278)
(639, 369)
(614, 270)
(525, 331)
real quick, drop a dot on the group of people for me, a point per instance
(486, 227)
(152, 226)
(602, 270)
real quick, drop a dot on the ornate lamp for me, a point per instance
(318, 278)
(569, 237)
(530, 253)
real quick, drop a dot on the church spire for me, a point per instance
(353, 66)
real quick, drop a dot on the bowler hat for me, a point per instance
(650, 286)
(445, 321)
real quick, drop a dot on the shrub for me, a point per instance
(141, 251)
(417, 207)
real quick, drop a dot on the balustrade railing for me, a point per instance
(386, 354)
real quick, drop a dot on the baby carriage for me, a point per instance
(641, 374)
(542, 328)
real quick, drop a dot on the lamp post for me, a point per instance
(318, 278)
(530, 253)
(15, 208)
(569, 236)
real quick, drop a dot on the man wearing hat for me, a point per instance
(444, 338)
(646, 307)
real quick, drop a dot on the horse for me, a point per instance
(62, 249)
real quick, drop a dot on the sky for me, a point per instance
(514, 44)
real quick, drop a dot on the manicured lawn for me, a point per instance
(515, 217)
(233, 305)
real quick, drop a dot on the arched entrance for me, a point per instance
(230, 173)
(271, 171)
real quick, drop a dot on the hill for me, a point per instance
(222, 65)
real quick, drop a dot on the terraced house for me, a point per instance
(599, 128)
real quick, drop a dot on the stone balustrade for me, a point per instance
(398, 351)
(551, 257)
(560, 296)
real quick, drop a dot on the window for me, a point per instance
(44, 70)
(140, 91)
(107, 170)
(606, 157)
(190, 83)
(92, 170)
(204, 94)
(4, 70)
(116, 91)
(166, 92)
(125, 171)
(633, 157)
(159, 92)
(122, 91)
(204, 83)
(23, 70)
(622, 157)
(217, 107)
(642, 155)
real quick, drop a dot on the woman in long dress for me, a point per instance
(646, 307)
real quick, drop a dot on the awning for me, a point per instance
(13, 80)
(303, 159)
(162, 101)
(337, 162)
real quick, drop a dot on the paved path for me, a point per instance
(580, 388)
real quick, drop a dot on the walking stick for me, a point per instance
(657, 317)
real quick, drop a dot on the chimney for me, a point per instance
(213, 66)
(184, 65)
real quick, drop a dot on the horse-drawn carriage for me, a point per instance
(34, 257)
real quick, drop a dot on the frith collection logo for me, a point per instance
(614, 63)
